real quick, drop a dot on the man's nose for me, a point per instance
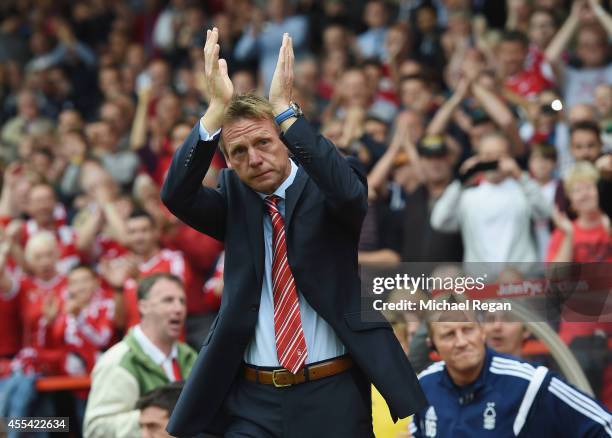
(460, 340)
(179, 306)
(254, 157)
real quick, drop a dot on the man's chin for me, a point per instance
(262, 187)
(174, 332)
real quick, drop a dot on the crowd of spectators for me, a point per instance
(484, 126)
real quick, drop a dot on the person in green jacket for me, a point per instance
(149, 356)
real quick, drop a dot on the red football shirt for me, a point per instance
(33, 293)
(164, 261)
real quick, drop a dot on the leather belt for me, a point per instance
(281, 378)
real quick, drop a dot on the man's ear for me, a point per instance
(143, 307)
(526, 334)
(430, 344)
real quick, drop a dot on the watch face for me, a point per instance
(296, 109)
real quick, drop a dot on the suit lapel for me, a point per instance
(254, 217)
(292, 195)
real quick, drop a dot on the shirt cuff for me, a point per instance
(205, 136)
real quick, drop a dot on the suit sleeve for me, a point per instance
(200, 207)
(340, 180)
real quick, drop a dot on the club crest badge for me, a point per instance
(488, 416)
(431, 422)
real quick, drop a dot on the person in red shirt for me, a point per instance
(10, 324)
(84, 328)
(200, 251)
(587, 239)
(144, 257)
(512, 56)
(46, 215)
(40, 298)
(40, 293)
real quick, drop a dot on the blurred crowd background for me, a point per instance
(484, 126)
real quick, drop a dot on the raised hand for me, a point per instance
(282, 80)
(218, 84)
(509, 167)
(561, 221)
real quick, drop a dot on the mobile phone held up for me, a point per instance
(483, 166)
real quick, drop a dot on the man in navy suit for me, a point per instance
(289, 354)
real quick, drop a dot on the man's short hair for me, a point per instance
(83, 266)
(415, 77)
(246, 106)
(146, 284)
(544, 150)
(585, 125)
(139, 212)
(38, 239)
(164, 397)
(515, 36)
(551, 14)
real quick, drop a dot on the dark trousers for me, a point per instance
(337, 406)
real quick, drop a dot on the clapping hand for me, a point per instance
(561, 221)
(282, 80)
(219, 87)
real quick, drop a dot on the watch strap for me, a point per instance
(289, 112)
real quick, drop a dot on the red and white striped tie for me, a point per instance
(290, 341)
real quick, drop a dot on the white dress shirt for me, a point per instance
(156, 355)
(322, 343)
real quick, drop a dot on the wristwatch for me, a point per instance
(294, 110)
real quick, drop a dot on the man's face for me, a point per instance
(27, 106)
(179, 134)
(165, 309)
(169, 109)
(493, 148)
(243, 82)
(541, 29)
(541, 168)
(591, 48)
(585, 145)
(511, 57)
(153, 421)
(82, 284)
(436, 170)
(141, 236)
(256, 153)
(41, 204)
(460, 344)
(415, 95)
(503, 335)
(375, 14)
(376, 129)
(581, 112)
(111, 114)
(42, 260)
(355, 90)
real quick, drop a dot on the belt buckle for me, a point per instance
(278, 385)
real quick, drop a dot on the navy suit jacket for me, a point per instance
(325, 207)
